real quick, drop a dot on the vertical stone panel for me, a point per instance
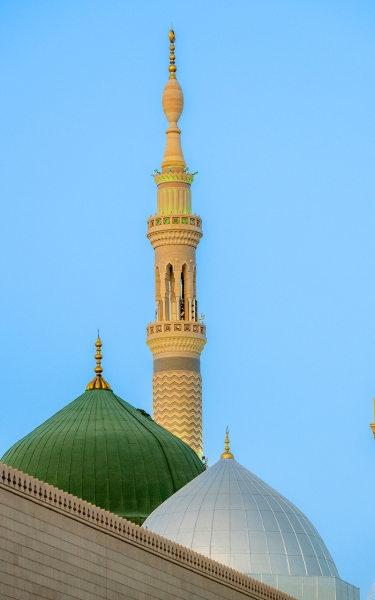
(176, 200)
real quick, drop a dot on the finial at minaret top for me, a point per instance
(98, 383)
(173, 104)
(227, 453)
(172, 67)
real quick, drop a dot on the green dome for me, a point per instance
(107, 452)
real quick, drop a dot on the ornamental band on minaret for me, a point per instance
(177, 336)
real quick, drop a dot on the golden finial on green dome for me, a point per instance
(227, 453)
(172, 67)
(98, 383)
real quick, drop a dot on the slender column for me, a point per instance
(190, 308)
(164, 301)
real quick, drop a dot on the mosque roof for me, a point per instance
(228, 514)
(105, 451)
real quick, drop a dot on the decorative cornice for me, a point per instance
(171, 176)
(176, 237)
(175, 343)
(61, 502)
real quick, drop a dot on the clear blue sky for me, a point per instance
(279, 122)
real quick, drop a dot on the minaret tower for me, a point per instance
(177, 336)
(372, 425)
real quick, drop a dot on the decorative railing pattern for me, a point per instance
(62, 502)
(176, 326)
(173, 220)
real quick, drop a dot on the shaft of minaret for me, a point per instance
(177, 336)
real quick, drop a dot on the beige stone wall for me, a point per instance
(56, 546)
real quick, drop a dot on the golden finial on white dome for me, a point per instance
(227, 453)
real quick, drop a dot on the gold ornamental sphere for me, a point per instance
(172, 67)
(98, 383)
(227, 453)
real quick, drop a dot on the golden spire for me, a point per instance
(98, 383)
(227, 453)
(172, 67)
(173, 104)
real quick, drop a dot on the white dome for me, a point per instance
(232, 516)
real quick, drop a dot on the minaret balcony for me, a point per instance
(175, 221)
(174, 229)
(164, 336)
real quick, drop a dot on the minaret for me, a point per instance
(372, 425)
(177, 336)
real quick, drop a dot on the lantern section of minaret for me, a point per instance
(177, 336)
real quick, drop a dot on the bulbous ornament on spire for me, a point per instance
(98, 383)
(173, 104)
(227, 453)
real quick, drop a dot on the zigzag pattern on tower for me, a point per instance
(178, 405)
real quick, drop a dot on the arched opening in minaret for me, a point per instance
(182, 294)
(195, 301)
(158, 309)
(184, 288)
(169, 285)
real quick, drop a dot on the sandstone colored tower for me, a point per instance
(177, 336)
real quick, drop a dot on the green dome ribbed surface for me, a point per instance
(105, 451)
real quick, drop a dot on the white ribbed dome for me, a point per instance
(232, 516)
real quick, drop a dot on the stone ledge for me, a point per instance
(175, 221)
(179, 328)
(63, 503)
(174, 344)
(174, 237)
(171, 176)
